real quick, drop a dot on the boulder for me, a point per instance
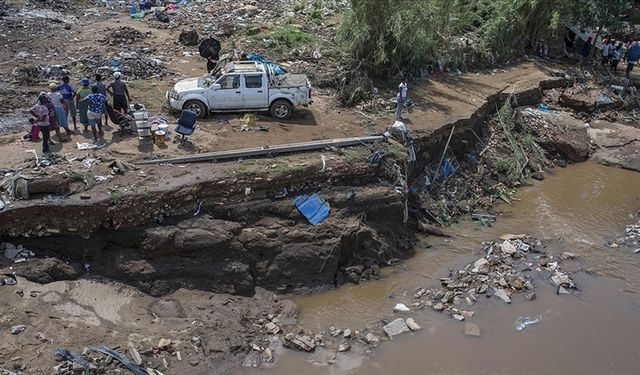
(396, 328)
(47, 270)
(371, 339)
(412, 324)
(502, 294)
(299, 342)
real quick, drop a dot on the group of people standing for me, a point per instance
(88, 103)
(615, 51)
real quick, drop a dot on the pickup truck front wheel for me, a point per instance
(196, 106)
(281, 109)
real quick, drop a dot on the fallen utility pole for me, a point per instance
(268, 150)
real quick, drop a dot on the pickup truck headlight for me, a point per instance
(174, 95)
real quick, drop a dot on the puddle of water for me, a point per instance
(577, 209)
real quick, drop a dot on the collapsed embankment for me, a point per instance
(246, 232)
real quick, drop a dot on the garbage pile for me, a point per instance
(26, 75)
(507, 268)
(15, 253)
(124, 36)
(133, 65)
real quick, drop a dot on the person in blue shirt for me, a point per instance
(95, 110)
(68, 93)
(633, 55)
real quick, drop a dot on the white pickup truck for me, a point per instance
(241, 86)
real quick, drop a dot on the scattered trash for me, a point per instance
(86, 146)
(17, 329)
(64, 354)
(8, 280)
(524, 321)
(604, 99)
(401, 307)
(122, 359)
(483, 218)
(543, 108)
(121, 167)
(314, 208)
(375, 159)
(199, 209)
(90, 162)
(103, 178)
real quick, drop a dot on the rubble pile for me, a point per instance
(630, 238)
(506, 268)
(133, 65)
(26, 75)
(124, 36)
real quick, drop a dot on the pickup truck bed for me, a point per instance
(289, 80)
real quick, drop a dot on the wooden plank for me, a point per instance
(268, 150)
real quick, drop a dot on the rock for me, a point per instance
(299, 342)
(197, 341)
(47, 270)
(396, 328)
(17, 329)
(401, 307)
(346, 333)
(562, 290)
(271, 328)
(164, 343)
(567, 255)
(267, 356)
(560, 163)
(412, 324)
(471, 329)
(458, 317)
(439, 307)
(194, 362)
(135, 355)
(370, 338)
(537, 176)
(168, 309)
(502, 294)
(480, 266)
(561, 279)
(508, 248)
(530, 296)
(344, 347)
(256, 348)
(189, 38)
(10, 251)
(482, 289)
(288, 313)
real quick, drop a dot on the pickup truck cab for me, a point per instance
(241, 86)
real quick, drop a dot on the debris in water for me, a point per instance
(523, 321)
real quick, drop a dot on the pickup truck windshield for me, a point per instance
(230, 81)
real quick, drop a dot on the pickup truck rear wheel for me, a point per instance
(196, 106)
(281, 109)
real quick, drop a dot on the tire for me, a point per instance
(196, 106)
(281, 109)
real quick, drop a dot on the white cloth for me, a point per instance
(402, 88)
(56, 98)
(93, 115)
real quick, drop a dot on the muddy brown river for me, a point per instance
(595, 331)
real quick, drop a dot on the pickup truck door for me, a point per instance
(228, 95)
(255, 91)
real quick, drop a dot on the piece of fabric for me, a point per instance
(67, 90)
(83, 105)
(62, 117)
(120, 103)
(53, 118)
(43, 114)
(45, 138)
(96, 102)
(56, 98)
(314, 208)
(277, 69)
(71, 108)
(93, 117)
(402, 89)
(102, 89)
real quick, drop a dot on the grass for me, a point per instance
(117, 197)
(298, 6)
(85, 177)
(291, 35)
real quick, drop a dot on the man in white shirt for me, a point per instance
(605, 52)
(402, 98)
